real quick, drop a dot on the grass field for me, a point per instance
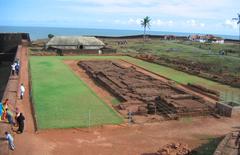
(63, 100)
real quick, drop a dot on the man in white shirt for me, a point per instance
(22, 90)
(13, 69)
(9, 138)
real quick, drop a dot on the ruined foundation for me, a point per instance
(230, 109)
(142, 94)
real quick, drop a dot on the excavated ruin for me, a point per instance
(143, 94)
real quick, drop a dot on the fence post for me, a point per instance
(129, 117)
(89, 118)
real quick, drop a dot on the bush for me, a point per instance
(50, 36)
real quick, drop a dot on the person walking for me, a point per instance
(22, 90)
(13, 69)
(10, 140)
(20, 122)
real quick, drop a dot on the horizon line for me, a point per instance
(116, 29)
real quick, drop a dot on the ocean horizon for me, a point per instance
(42, 32)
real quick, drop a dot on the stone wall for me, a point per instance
(227, 110)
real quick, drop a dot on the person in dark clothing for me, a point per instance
(17, 67)
(20, 121)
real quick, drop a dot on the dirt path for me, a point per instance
(108, 140)
(26, 142)
(134, 140)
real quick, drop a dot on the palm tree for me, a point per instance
(145, 23)
(238, 22)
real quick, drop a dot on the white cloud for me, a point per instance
(132, 21)
(137, 22)
(230, 24)
(195, 23)
(159, 22)
(205, 9)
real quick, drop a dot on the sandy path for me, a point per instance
(108, 140)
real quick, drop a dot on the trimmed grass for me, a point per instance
(62, 100)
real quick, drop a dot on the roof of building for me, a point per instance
(205, 37)
(74, 40)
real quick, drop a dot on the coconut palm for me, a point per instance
(145, 23)
(238, 22)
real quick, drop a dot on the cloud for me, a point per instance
(132, 21)
(203, 9)
(137, 22)
(194, 23)
(159, 22)
(230, 24)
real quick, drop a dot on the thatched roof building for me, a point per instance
(74, 43)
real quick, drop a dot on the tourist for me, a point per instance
(17, 61)
(20, 122)
(22, 90)
(4, 115)
(13, 69)
(17, 115)
(9, 118)
(1, 109)
(9, 138)
(17, 67)
(5, 104)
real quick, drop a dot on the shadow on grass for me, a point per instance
(207, 148)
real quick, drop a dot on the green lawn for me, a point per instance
(62, 100)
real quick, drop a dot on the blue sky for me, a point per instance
(199, 16)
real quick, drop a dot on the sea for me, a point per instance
(42, 32)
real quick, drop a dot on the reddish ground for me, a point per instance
(124, 139)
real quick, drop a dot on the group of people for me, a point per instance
(7, 114)
(15, 67)
(16, 121)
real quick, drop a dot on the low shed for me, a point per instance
(75, 43)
